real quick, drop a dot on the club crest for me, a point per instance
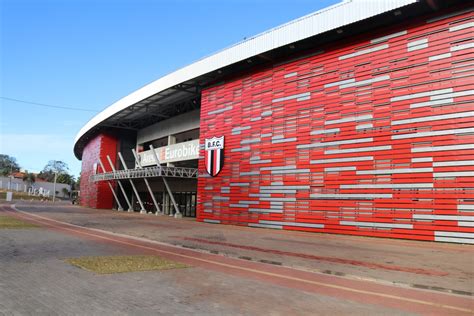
(214, 155)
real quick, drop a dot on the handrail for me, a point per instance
(149, 172)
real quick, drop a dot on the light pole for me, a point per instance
(54, 186)
(10, 177)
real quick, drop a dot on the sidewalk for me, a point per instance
(428, 265)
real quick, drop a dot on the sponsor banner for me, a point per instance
(172, 153)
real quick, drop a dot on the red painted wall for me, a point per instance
(373, 137)
(97, 194)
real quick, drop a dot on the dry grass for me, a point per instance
(121, 264)
(10, 222)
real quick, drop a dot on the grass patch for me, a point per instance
(11, 222)
(121, 264)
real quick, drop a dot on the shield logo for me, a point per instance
(214, 156)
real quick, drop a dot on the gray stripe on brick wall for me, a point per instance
(249, 202)
(453, 95)
(294, 96)
(336, 143)
(387, 186)
(431, 103)
(440, 56)
(250, 173)
(434, 118)
(453, 163)
(364, 126)
(435, 133)
(465, 207)
(239, 205)
(349, 119)
(394, 171)
(259, 195)
(357, 150)
(453, 174)
(461, 26)
(239, 184)
(325, 131)
(284, 140)
(265, 226)
(279, 199)
(461, 47)
(444, 217)
(256, 162)
(365, 82)
(295, 224)
(250, 141)
(258, 210)
(387, 37)
(376, 224)
(349, 159)
(290, 171)
(221, 198)
(442, 148)
(220, 110)
(417, 42)
(363, 52)
(422, 159)
(278, 191)
(344, 196)
(420, 94)
(340, 169)
(338, 83)
(245, 148)
(279, 167)
(293, 187)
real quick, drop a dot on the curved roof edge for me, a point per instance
(327, 19)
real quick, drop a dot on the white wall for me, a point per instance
(174, 125)
(21, 185)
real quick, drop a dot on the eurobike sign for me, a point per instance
(172, 153)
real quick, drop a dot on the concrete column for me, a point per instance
(171, 141)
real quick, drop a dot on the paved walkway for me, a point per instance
(365, 258)
(410, 263)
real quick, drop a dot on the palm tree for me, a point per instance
(29, 178)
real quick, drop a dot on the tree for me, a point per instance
(65, 192)
(56, 167)
(8, 165)
(29, 178)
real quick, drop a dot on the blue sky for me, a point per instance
(88, 54)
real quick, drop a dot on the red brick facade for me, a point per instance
(97, 194)
(371, 137)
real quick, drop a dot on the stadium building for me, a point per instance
(355, 119)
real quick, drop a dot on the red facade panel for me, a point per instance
(97, 194)
(373, 137)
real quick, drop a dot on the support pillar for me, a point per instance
(130, 209)
(138, 163)
(119, 206)
(142, 209)
(176, 208)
